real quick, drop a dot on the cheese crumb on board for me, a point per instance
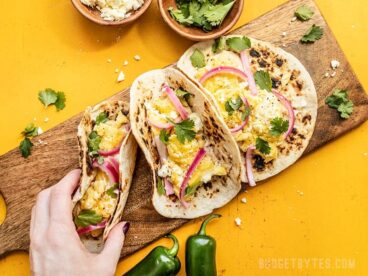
(137, 57)
(46, 120)
(121, 76)
(238, 221)
(243, 200)
(335, 63)
(125, 63)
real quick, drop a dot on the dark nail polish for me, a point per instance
(126, 227)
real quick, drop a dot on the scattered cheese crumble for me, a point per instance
(333, 74)
(125, 63)
(293, 19)
(121, 76)
(238, 221)
(39, 131)
(137, 57)
(46, 120)
(114, 9)
(335, 63)
(243, 200)
(283, 34)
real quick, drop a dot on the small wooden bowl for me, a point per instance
(198, 34)
(95, 15)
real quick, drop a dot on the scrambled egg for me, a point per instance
(111, 132)
(263, 108)
(181, 155)
(96, 198)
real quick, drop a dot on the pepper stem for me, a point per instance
(202, 230)
(173, 251)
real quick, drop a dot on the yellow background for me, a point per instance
(46, 43)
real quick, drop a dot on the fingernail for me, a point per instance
(126, 227)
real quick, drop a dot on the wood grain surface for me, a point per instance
(21, 179)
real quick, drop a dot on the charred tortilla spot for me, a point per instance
(306, 119)
(262, 63)
(279, 62)
(275, 82)
(259, 162)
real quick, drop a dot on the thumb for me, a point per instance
(114, 243)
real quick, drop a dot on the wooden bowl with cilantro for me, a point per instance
(201, 19)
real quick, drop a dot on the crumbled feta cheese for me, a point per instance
(283, 34)
(121, 76)
(284, 45)
(335, 63)
(327, 74)
(114, 9)
(46, 120)
(243, 200)
(109, 60)
(197, 121)
(238, 221)
(39, 131)
(333, 74)
(125, 63)
(293, 19)
(173, 115)
(137, 57)
(164, 171)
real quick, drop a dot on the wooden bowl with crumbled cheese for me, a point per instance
(111, 12)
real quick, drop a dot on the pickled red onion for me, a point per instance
(176, 102)
(249, 167)
(109, 167)
(106, 153)
(197, 159)
(248, 72)
(161, 148)
(290, 110)
(160, 125)
(243, 124)
(90, 228)
(222, 70)
(168, 187)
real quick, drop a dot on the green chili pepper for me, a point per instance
(200, 252)
(161, 261)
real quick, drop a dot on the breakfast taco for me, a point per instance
(264, 95)
(195, 161)
(107, 158)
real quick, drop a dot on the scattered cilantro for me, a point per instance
(101, 118)
(87, 217)
(181, 93)
(233, 105)
(219, 44)
(304, 13)
(30, 131)
(50, 96)
(263, 80)
(262, 146)
(112, 191)
(189, 190)
(160, 186)
(238, 44)
(197, 58)
(94, 141)
(339, 100)
(184, 130)
(245, 113)
(164, 136)
(314, 33)
(100, 160)
(204, 14)
(25, 147)
(278, 126)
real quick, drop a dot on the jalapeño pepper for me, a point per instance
(161, 261)
(200, 252)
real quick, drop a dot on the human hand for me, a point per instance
(55, 245)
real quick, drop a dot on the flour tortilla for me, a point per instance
(126, 159)
(221, 189)
(303, 100)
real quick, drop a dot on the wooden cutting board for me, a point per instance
(21, 179)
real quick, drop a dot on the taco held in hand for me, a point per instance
(108, 152)
(195, 162)
(265, 96)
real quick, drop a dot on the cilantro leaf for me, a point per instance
(184, 130)
(47, 96)
(30, 130)
(304, 13)
(180, 17)
(50, 96)
(87, 217)
(197, 58)
(263, 146)
(101, 118)
(215, 14)
(339, 100)
(219, 44)
(183, 94)
(233, 105)
(60, 102)
(189, 190)
(245, 113)
(25, 147)
(112, 191)
(278, 126)
(164, 136)
(313, 34)
(160, 186)
(238, 44)
(94, 141)
(263, 80)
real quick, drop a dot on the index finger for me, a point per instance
(61, 201)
